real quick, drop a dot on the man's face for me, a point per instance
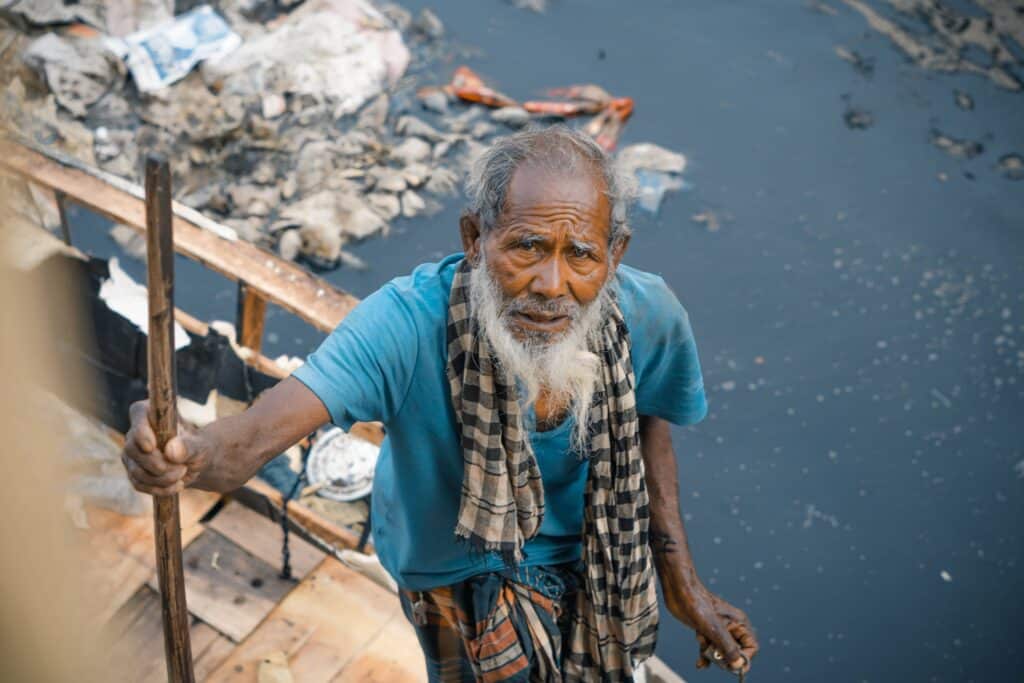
(549, 252)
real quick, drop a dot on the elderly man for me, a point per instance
(526, 490)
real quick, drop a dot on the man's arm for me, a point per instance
(714, 620)
(224, 454)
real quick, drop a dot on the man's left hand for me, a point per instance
(717, 624)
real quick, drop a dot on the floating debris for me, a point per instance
(606, 127)
(857, 118)
(963, 149)
(289, 244)
(538, 6)
(963, 100)
(513, 117)
(942, 39)
(433, 99)
(865, 66)
(812, 513)
(708, 219)
(1011, 166)
(657, 170)
(428, 24)
(946, 576)
(412, 204)
(821, 7)
(467, 85)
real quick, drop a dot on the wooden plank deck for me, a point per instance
(136, 654)
(228, 587)
(335, 626)
(121, 554)
(261, 537)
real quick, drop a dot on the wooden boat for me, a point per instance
(337, 618)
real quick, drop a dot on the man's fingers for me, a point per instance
(702, 645)
(141, 430)
(717, 632)
(141, 477)
(154, 463)
(734, 614)
(176, 450)
(161, 490)
(747, 640)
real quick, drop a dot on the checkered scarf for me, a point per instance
(616, 618)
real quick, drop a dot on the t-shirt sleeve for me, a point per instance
(665, 361)
(363, 370)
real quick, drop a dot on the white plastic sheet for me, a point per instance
(165, 53)
(128, 298)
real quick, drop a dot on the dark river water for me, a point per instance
(858, 487)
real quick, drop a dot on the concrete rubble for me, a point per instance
(266, 139)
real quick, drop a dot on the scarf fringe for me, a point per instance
(479, 545)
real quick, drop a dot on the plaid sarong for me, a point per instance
(498, 627)
(615, 620)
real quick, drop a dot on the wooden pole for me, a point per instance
(166, 519)
(252, 313)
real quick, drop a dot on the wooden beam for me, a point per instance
(278, 281)
(252, 314)
(65, 228)
(305, 519)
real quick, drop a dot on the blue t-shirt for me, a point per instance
(386, 362)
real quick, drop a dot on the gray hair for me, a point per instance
(561, 149)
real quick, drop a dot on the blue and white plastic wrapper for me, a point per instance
(163, 54)
(652, 186)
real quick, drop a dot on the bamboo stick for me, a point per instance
(166, 518)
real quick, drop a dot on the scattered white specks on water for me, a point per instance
(942, 398)
(728, 385)
(813, 513)
(946, 576)
(1019, 469)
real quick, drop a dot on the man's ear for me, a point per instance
(469, 229)
(619, 249)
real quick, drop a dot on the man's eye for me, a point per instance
(580, 252)
(528, 245)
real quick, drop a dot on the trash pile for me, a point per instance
(301, 125)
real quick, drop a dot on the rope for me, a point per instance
(286, 554)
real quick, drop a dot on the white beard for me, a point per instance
(561, 365)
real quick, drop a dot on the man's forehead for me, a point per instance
(537, 185)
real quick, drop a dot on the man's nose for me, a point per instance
(549, 279)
